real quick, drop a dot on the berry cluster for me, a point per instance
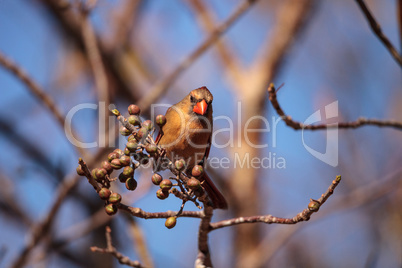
(140, 147)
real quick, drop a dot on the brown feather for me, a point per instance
(187, 135)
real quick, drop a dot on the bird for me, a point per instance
(187, 135)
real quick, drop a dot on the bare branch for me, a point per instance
(376, 28)
(70, 23)
(140, 242)
(361, 196)
(298, 125)
(166, 82)
(112, 250)
(88, 175)
(95, 59)
(224, 51)
(137, 212)
(38, 92)
(42, 227)
(124, 23)
(203, 256)
(98, 69)
(269, 219)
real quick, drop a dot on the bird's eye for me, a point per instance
(192, 99)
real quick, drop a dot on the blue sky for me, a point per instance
(337, 59)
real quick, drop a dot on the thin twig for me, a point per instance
(98, 69)
(124, 23)
(354, 124)
(112, 250)
(269, 219)
(38, 92)
(361, 196)
(69, 21)
(43, 226)
(166, 82)
(137, 212)
(225, 53)
(88, 175)
(375, 26)
(139, 239)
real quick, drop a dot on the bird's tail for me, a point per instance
(214, 194)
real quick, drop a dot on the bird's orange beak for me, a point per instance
(201, 107)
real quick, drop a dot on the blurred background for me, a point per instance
(144, 52)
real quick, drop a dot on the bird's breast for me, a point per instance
(186, 137)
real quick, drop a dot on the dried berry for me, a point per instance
(107, 166)
(100, 174)
(93, 173)
(115, 198)
(104, 193)
(148, 125)
(160, 120)
(125, 160)
(314, 205)
(134, 120)
(156, 179)
(180, 164)
(80, 171)
(142, 133)
(151, 148)
(128, 172)
(170, 222)
(162, 194)
(116, 163)
(193, 183)
(166, 184)
(112, 155)
(119, 151)
(131, 184)
(131, 137)
(122, 178)
(111, 209)
(124, 131)
(197, 171)
(134, 109)
(132, 145)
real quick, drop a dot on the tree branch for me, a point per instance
(224, 51)
(269, 219)
(137, 212)
(376, 28)
(38, 92)
(298, 125)
(203, 256)
(39, 230)
(166, 82)
(112, 250)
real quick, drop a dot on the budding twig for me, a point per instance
(355, 124)
(88, 175)
(269, 219)
(137, 212)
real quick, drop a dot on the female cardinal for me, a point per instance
(187, 135)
